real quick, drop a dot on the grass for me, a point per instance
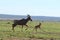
(52, 30)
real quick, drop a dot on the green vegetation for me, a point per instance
(48, 30)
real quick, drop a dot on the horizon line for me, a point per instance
(29, 14)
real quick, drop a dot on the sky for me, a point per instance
(31, 7)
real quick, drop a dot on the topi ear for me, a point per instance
(28, 15)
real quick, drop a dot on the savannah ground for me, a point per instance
(49, 30)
